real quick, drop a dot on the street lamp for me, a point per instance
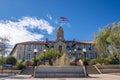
(44, 55)
(69, 53)
(85, 62)
(75, 50)
(35, 63)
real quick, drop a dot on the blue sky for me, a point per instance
(86, 17)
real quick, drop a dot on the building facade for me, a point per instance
(25, 50)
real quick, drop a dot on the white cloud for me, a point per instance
(49, 16)
(56, 22)
(18, 32)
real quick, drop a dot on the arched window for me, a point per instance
(60, 48)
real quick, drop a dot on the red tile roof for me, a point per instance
(43, 42)
(33, 42)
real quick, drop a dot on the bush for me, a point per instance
(11, 60)
(21, 64)
(2, 60)
(108, 60)
(115, 58)
(99, 59)
(92, 62)
(29, 63)
(37, 61)
(114, 61)
(87, 61)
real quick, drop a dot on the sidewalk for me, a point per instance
(92, 77)
(20, 77)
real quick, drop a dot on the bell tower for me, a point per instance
(60, 34)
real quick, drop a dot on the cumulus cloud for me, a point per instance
(17, 31)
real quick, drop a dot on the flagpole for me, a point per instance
(63, 19)
(60, 22)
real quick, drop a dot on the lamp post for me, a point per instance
(75, 50)
(44, 55)
(35, 51)
(69, 53)
(85, 62)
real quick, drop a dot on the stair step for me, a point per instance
(92, 70)
(28, 71)
(109, 68)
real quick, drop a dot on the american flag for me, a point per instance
(63, 19)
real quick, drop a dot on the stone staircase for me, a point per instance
(92, 70)
(109, 68)
(28, 71)
(59, 72)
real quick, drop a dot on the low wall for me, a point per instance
(10, 71)
(54, 71)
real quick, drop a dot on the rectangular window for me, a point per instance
(35, 46)
(52, 46)
(29, 56)
(90, 48)
(79, 48)
(87, 47)
(41, 47)
(29, 47)
(90, 55)
(68, 47)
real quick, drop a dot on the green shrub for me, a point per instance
(21, 64)
(115, 61)
(29, 63)
(87, 61)
(11, 60)
(99, 59)
(37, 61)
(108, 60)
(2, 60)
(111, 59)
(116, 58)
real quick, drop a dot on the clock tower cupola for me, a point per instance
(60, 34)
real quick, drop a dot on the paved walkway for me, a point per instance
(92, 77)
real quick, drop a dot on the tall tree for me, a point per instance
(108, 40)
(3, 49)
(4, 45)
